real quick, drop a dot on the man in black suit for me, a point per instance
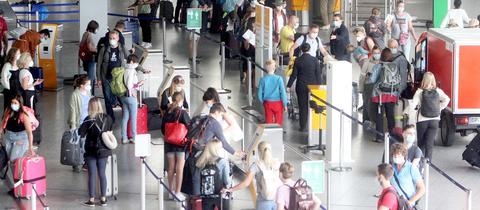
(307, 71)
(339, 39)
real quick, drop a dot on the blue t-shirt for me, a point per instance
(272, 88)
(408, 177)
(84, 107)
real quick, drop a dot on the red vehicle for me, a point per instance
(453, 55)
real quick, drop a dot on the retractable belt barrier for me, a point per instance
(46, 5)
(33, 199)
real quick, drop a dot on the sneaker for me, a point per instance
(131, 141)
(89, 203)
(124, 141)
(170, 196)
(103, 203)
(77, 169)
(180, 197)
(148, 45)
(143, 44)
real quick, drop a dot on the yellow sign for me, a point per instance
(300, 5)
(258, 13)
(321, 92)
(46, 58)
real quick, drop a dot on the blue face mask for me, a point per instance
(376, 56)
(209, 105)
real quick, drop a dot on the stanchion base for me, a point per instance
(341, 169)
(248, 108)
(195, 75)
(166, 61)
(307, 148)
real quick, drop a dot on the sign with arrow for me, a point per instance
(194, 18)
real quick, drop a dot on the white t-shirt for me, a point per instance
(458, 15)
(26, 73)
(314, 45)
(6, 74)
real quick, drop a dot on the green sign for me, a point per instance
(194, 18)
(440, 9)
(314, 173)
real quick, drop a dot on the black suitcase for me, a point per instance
(166, 10)
(71, 149)
(472, 153)
(37, 133)
(154, 121)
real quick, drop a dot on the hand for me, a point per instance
(99, 83)
(333, 37)
(38, 81)
(240, 154)
(289, 89)
(31, 152)
(225, 191)
(411, 203)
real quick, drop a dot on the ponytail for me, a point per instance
(81, 80)
(265, 153)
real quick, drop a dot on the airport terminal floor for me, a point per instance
(350, 190)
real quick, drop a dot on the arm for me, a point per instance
(260, 90)
(420, 191)
(218, 132)
(28, 129)
(244, 183)
(4, 78)
(412, 30)
(296, 45)
(226, 173)
(5, 42)
(318, 72)
(388, 23)
(375, 74)
(444, 99)
(294, 75)
(99, 69)
(416, 162)
(72, 119)
(464, 17)
(283, 93)
(370, 44)
(164, 101)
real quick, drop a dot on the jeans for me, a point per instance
(129, 107)
(145, 24)
(89, 67)
(273, 112)
(110, 99)
(266, 205)
(406, 48)
(16, 144)
(388, 109)
(426, 134)
(96, 166)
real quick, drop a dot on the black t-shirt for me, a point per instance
(14, 124)
(114, 60)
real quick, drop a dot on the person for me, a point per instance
(26, 79)
(407, 179)
(129, 101)
(207, 9)
(211, 156)
(458, 15)
(282, 198)
(145, 18)
(308, 71)
(375, 27)
(175, 86)
(175, 154)
(383, 102)
(17, 130)
(366, 43)
(89, 65)
(287, 37)
(427, 126)
(365, 87)
(10, 65)
(279, 20)
(400, 25)
(109, 57)
(316, 46)
(324, 14)
(265, 164)
(119, 27)
(388, 199)
(414, 154)
(401, 60)
(247, 49)
(30, 40)
(96, 153)
(272, 94)
(339, 39)
(3, 34)
(216, 16)
(181, 12)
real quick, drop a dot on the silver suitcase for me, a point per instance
(111, 173)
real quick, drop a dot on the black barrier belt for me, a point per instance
(448, 177)
(38, 197)
(133, 17)
(163, 184)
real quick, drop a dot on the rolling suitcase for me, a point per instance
(154, 121)
(472, 153)
(71, 149)
(37, 73)
(166, 10)
(401, 120)
(111, 172)
(29, 170)
(142, 120)
(37, 133)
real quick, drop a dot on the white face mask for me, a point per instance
(398, 160)
(359, 38)
(131, 65)
(337, 23)
(313, 35)
(376, 56)
(113, 42)
(17, 56)
(209, 105)
(15, 107)
(30, 64)
(410, 140)
(178, 89)
(394, 50)
(88, 87)
(296, 25)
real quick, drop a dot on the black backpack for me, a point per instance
(298, 52)
(210, 180)
(196, 129)
(429, 106)
(15, 85)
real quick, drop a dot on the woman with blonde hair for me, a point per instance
(96, 152)
(26, 79)
(265, 171)
(428, 101)
(209, 158)
(175, 86)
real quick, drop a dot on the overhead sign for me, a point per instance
(300, 5)
(194, 18)
(314, 173)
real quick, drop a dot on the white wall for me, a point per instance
(94, 10)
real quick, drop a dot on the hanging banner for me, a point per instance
(300, 5)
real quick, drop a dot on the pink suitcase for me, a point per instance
(30, 170)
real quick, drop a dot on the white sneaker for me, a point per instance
(180, 196)
(170, 196)
(148, 45)
(143, 44)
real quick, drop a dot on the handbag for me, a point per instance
(175, 132)
(84, 53)
(411, 88)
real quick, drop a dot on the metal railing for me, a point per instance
(33, 199)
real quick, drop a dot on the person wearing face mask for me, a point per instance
(30, 40)
(279, 20)
(110, 57)
(272, 94)
(366, 88)
(10, 65)
(388, 199)
(407, 179)
(166, 98)
(287, 37)
(26, 79)
(366, 43)
(401, 60)
(400, 25)
(414, 154)
(129, 101)
(339, 39)
(316, 46)
(375, 27)
(87, 52)
(175, 154)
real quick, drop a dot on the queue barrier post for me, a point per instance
(160, 195)
(222, 65)
(142, 190)
(164, 32)
(427, 183)
(249, 79)
(33, 199)
(386, 137)
(469, 200)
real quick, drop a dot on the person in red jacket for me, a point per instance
(388, 198)
(29, 41)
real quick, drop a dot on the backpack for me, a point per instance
(429, 106)
(84, 53)
(210, 180)
(31, 116)
(298, 52)
(117, 84)
(196, 129)
(268, 181)
(15, 85)
(390, 78)
(401, 203)
(301, 196)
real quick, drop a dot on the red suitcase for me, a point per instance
(195, 203)
(29, 170)
(142, 121)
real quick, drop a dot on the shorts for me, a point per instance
(171, 150)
